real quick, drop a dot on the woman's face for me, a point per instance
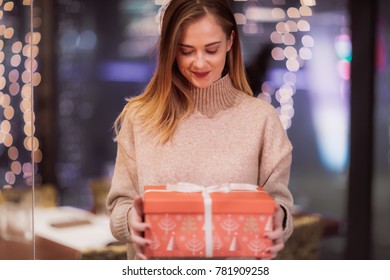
(202, 51)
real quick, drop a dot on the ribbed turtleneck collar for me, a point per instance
(221, 95)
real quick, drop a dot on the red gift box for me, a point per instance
(216, 222)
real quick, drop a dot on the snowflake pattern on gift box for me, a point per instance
(194, 245)
(229, 224)
(167, 223)
(251, 225)
(188, 224)
(257, 245)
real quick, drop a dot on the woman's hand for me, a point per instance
(277, 234)
(138, 227)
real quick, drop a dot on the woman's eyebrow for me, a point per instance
(208, 45)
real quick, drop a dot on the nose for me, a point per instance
(199, 60)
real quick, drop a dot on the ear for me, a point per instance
(230, 41)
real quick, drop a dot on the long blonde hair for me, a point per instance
(165, 100)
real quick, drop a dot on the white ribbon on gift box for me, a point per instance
(190, 188)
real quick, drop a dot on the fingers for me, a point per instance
(138, 247)
(278, 245)
(277, 231)
(139, 240)
(138, 227)
(276, 235)
(278, 217)
(141, 256)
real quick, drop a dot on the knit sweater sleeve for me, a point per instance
(124, 185)
(275, 163)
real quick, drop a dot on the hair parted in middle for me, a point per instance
(166, 100)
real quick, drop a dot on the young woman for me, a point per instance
(197, 122)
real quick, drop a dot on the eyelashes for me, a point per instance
(188, 53)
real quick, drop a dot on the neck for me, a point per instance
(221, 95)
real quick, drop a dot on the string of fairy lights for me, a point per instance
(292, 45)
(18, 75)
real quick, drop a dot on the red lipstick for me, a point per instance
(200, 74)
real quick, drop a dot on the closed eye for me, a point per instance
(185, 52)
(211, 51)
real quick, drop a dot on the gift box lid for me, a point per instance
(157, 200)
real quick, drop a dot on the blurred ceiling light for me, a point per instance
(9, 6)
(13, 153)
(290, 52)
(143, 27)
(308, 2)
(16, 167)
(288, 39)
(293, 13)
(308, 41)
(289, 78)
(277, 53)
(291, 26)
(240, 18)
(305, 53)
(9, 112)
(9, 33)
(5, 100)
(278, 13)
(260, 14)
(5, 126)
(292, 64)
(281, 27)
(161, 2)
(251, 28)
(276, 37)
(17, 47)
(303, 25)
(305, 11)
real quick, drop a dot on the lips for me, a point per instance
(200, 74)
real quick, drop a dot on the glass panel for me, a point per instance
(320, 129)
(18, 76)
(381, 191)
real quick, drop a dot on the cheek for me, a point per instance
(220, 62)
(182, 61)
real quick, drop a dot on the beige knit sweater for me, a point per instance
(230, 138)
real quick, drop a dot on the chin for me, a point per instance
(202, 83)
